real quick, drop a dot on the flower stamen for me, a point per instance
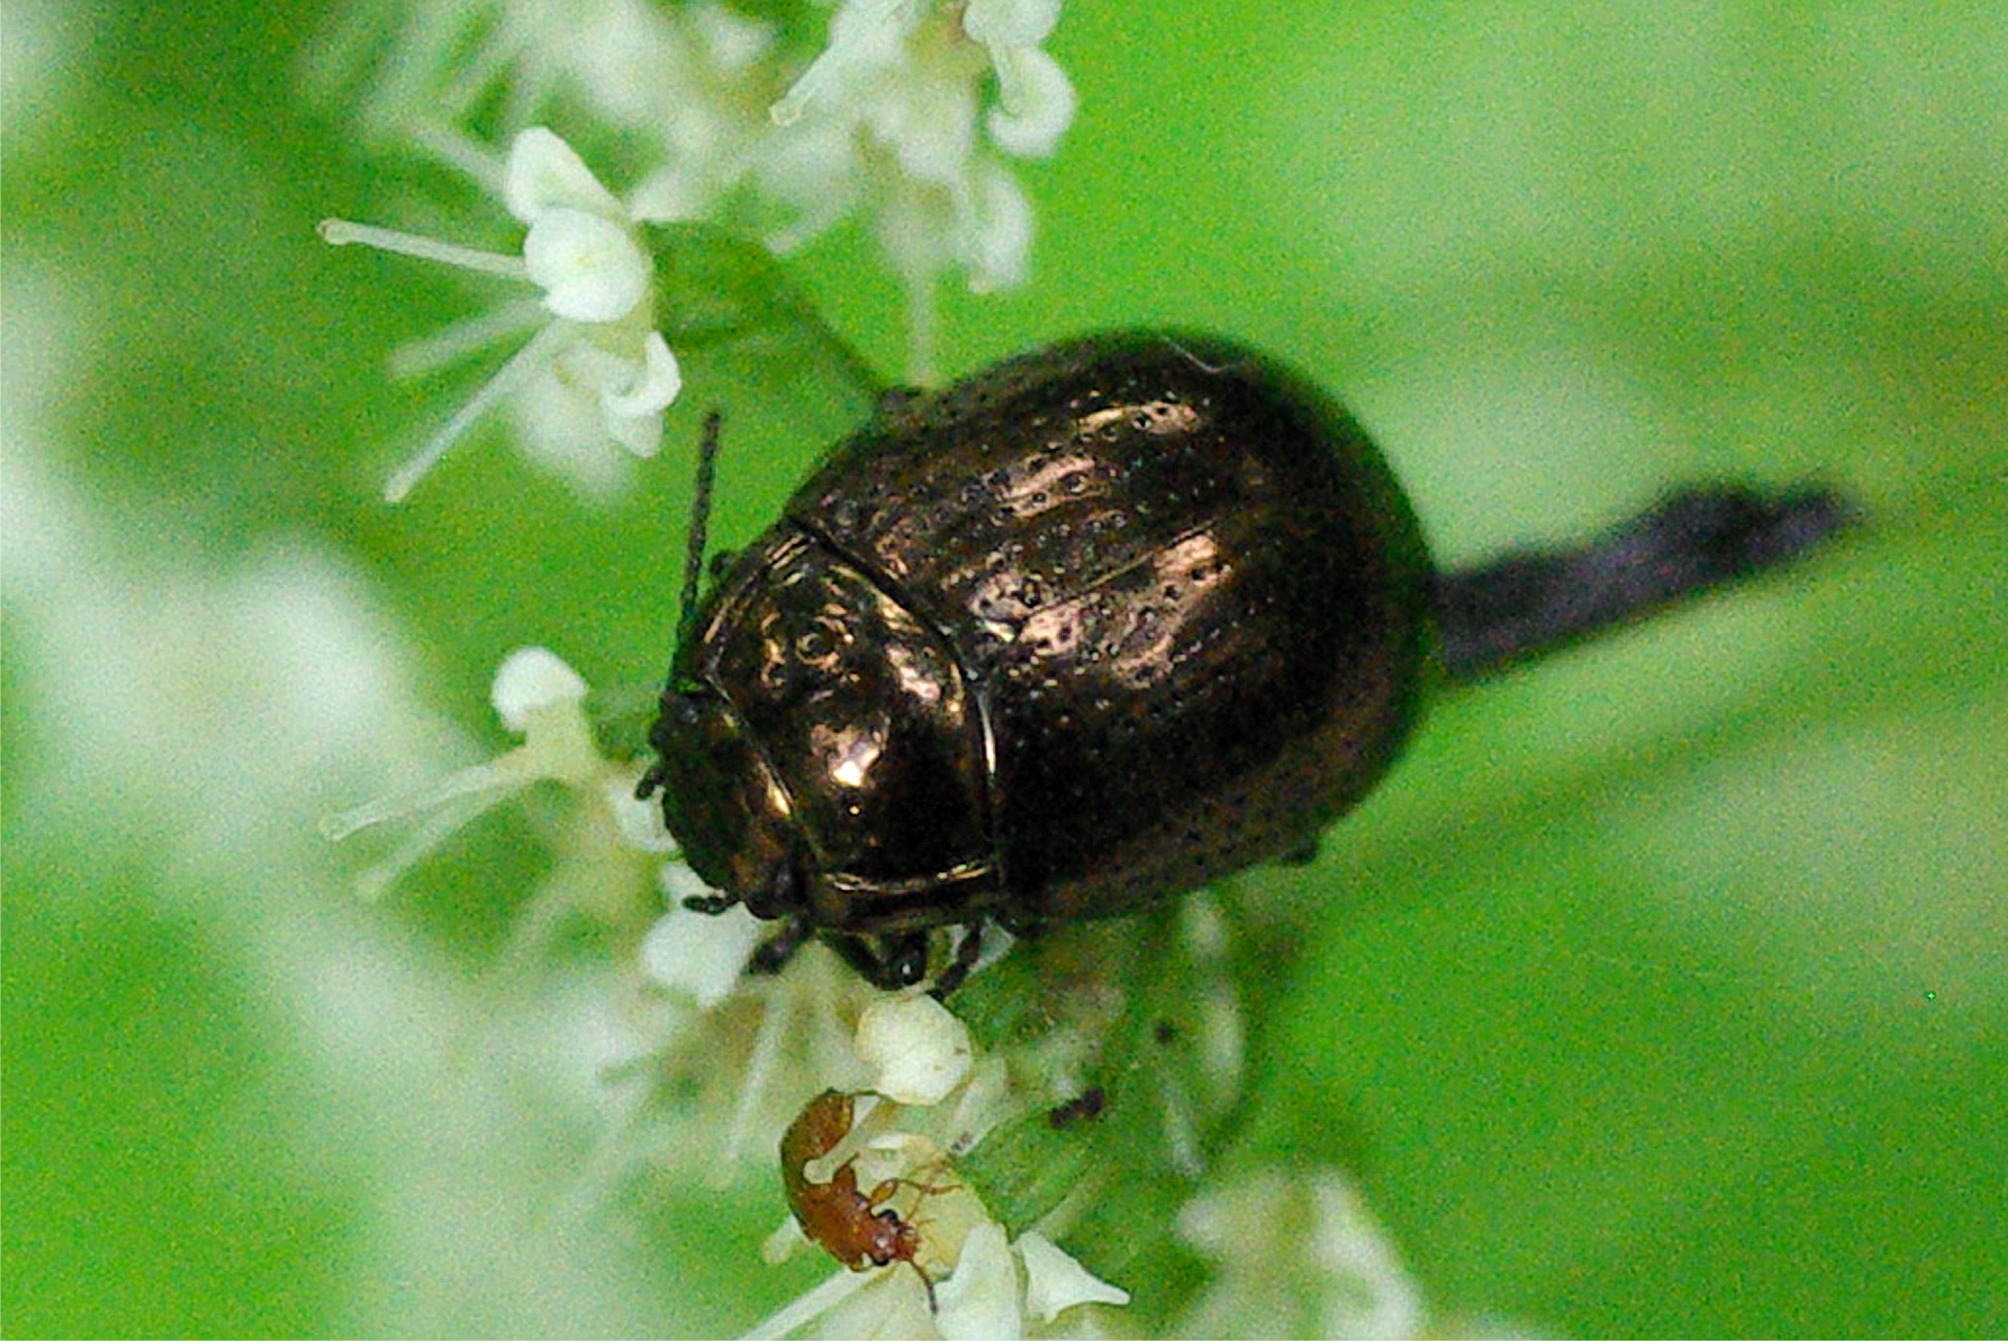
(511, 375)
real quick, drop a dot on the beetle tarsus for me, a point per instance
(967, 952)
(894, 399)
(1303, 854)
(774, 953)
(887, 962)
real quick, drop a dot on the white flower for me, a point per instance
(908, 118)
(699, 955)
(876, 46)
(999, 1288)
(1297, 1253)
(685, 87)
(597, 370)
(966, 1278)
(893, 114)
(921, 1052)
(542, 699)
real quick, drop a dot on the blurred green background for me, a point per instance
(1660, 992)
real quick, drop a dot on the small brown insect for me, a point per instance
(858, 1229)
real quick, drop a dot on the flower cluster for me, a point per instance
(908, 120)
(749, 1048)
(930, 1094)
(891, 119)
(540, 698)
(1297, 1253)
(597, 370)
(719, 1061)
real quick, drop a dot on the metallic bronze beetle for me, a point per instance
(1099, 624)
(1090, 628)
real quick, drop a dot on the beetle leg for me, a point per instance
(966, 955)
(887, 962)
(650, 783)
(774, 953)
(894, 399)
(713, 904)
(1303, 854)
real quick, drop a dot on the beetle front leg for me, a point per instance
(887, 962)
(966, 954)
(775, 952)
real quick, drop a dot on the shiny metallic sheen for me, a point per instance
(1087, 629)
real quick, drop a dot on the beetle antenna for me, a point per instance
(700, 522)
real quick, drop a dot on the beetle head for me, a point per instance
(724, 806)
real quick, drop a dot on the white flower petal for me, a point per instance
(589, 266)
(786, 1241)
(892, 1306)
(639, 434)
(560, 428)
(699, 955)
(1055, 1282)
(824, 1300)
(658, 384)
(679, 882)
(544, 173)
(639, 821)
(979, 1301)
(996, 242)
(1308, 1226)
(530, 679)
(1010, 23)
(733, 42)
(930, 125)
(865, 37)
(1038, 100)
(919, 1050)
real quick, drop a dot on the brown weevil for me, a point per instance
(1091, 628)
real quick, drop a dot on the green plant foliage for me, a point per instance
(1659, 991)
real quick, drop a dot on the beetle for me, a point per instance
(1104, 622)
(1090, 628)
(858, 1229)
